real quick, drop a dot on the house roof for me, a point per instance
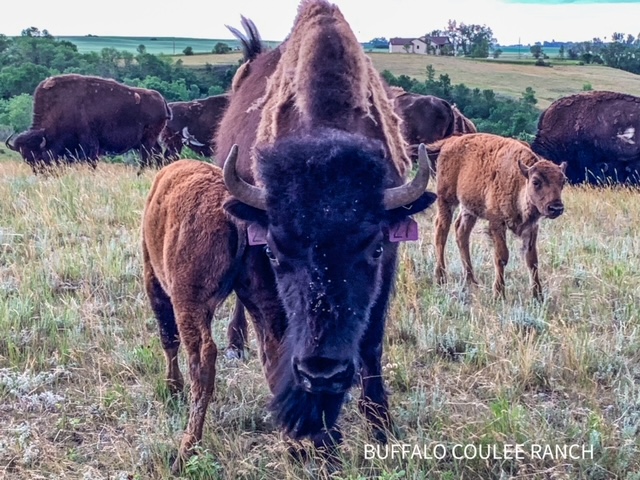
(401, 41)
(439, 40)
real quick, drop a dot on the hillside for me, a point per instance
(503, 78)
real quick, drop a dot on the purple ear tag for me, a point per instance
(405, 231)
(256, 234)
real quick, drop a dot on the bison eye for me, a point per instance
(377, 253)
(269, 253)
(536, 183)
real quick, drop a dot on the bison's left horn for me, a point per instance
(43, 143)
(7, 142)
(245, 192)
(410, 192)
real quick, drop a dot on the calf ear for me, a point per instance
(246, 213)
(422, 203)
(523, 168)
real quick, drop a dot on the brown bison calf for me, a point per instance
(500, 180)
(191, 251)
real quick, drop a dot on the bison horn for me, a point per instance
(43, 143)
(409, 192)
(7, 142)
(245, 192)
(188, 138)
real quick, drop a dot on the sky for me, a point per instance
(512, 21)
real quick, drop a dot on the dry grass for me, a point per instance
(506, 79)
(81, 390)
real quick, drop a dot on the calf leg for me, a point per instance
(501, 255)
(237, 332)
(163, 311)
(530, 247)
(442, 226)
(194, 323)
(464, 225)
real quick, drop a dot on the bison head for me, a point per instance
(327, 206)
(545, 181)
(30, 144)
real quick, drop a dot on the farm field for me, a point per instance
(81, 366)
(549, 83)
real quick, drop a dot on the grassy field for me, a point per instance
(549, 83)
(81, 367)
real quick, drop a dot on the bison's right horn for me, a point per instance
(245, 192)
(43, 143)
(7, 142)
(409, 192)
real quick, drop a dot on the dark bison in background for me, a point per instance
(193, 124)
(78, 118)
(427, 118)
(315, 171)
(596, 133)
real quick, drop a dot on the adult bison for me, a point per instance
(427, 118)
(193, 124)
(596, 133)
(315, 171)
(77, 117)
(500, 180)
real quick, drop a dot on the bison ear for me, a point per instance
(399, 214)
(523, 168)
(245, 212)
(563, 167)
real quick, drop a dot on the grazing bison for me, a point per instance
(427, 119)
(597, 133)
(315, 172)
(500, 180)
(78, 117)
(193, 124)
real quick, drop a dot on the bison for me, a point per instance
(193, 124)
(500, 180)
(427, 119)
(596, 133)
(315, 173)
(77, 117)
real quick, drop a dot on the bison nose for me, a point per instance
(555, 210)
(322, 374)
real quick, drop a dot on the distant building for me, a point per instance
(422, 45)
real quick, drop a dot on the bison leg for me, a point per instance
(464, 225)
(237, 332)
(374, 403)
(530, 247)
(498, 232)
(163, 311)
(194, 323)
(442, 226)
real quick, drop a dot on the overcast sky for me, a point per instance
(511, 20)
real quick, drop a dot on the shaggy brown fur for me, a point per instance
(500, 180)
(288, 89)
(461, 123)
(191, 252)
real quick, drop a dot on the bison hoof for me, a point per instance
(232, 354)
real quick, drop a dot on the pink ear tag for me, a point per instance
(405, 231)
(256, 234)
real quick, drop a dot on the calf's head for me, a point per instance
(545, 181)
(327, 206)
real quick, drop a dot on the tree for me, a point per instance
(221, 48)
(188, 51)
(536, 51)
(561, 52)
(141, 49)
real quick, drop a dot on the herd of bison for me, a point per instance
(302, 215)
